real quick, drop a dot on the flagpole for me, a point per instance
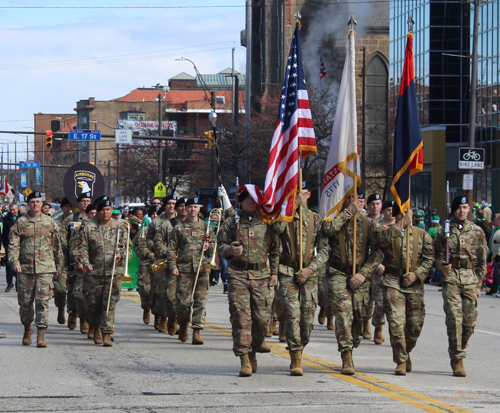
(299, 190)
(319, 74)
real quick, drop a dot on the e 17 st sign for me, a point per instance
(471, 158)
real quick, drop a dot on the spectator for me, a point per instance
(8, 222)
(486, 211)
(482, 223)
(435, 227)
(45, 208)
(23, 209)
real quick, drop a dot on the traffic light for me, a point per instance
(48, 139)
(210, 139)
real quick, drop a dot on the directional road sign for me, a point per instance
(29, 164)
(85, 135)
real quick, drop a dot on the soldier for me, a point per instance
(170, 202)
(71, 223)
(347, 301)
(180, 209)
(96, 255)
(185, 246)
(362, 202)
(250, 280)
(403, 291)
(35, 254)
(298, 287)
(461, 279)
(60, 282)
(91, 211)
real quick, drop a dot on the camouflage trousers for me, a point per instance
(70, 287)
(460, 307)
(348, 308)
(158, 292)
(144, 284)
(322, 287)
(38, 290)
(405, 314)
(172, 295)
(250, 308)
(60, 290)
(79, 294)
(299, 305)
(378, 318)
(366, 289)
(184, 289)
(277, 312)
(96, 298)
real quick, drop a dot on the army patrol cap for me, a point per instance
(103, 204)
(388, 204)
(180, 201)
(373, 197)
(83, 195)
(35, 194)
(192, 201)
(101, 198)
(64, 201)
(459, 200)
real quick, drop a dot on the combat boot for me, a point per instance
(274, 328)
(156, 324)
(321, 316)
(347, 365)
(97, 335)
(196, 336)
(263, 348)
(246, 368)
(183, 333)
(84, 326)
(90, 334)
(378, 337)
(296, 363)
(408, 364)
(61, 319)
(282, 333)
(72, 317)
(269, 332)
(40, 337)
(400, 369)
(172, 325)
(106, 340)
(146, 317)
(330, 325)
(458, 368)
(163, 324)
(367, 330)
(28, 331)
(252, 356)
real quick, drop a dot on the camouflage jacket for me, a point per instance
(141, 245)
(96, 246)
(466, 244)
(260, 244)
(161, 239)
(184, 246)
(35, 245)
(62, 231)
(319, 243)
(376, 220)
(392, 242)
(366, 261)
(152, 229)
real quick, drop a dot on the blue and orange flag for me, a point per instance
(408, 156)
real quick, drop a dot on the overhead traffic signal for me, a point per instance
(48, 138)
(210, 139)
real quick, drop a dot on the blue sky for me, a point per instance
(51, 58)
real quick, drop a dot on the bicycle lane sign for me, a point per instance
(471, 158)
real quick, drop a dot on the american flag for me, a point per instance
(293, 133)
(322, 69)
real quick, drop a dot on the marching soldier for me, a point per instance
(170, 202)
(180, 209)
(298, 288)
(71, 223)
(461, 280)
(403, 291)
(346, 300)
(185, 245)
(250, 281)
(35, 254)
(96, 255)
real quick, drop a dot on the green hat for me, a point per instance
(116, 212)
(419, 214)
(435, 219)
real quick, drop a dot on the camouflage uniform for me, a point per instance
(96, 246)
(299, 300)
(322, 296)
(60, 282)
(249, 293)
(404, 306)
(468, 248)
(348, 306)
(35, 246)
(188, 238)
(144, 274)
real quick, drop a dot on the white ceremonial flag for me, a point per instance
(338, 182)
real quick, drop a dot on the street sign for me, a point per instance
(123, 136)
(160, 190)
(84, 135)
(471, 158)
(468, 183)
(207, 192)
(29, 164)
(27, 191)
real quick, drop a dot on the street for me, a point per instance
(146, 371)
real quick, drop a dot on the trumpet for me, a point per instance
(217, 213)
(159, 265)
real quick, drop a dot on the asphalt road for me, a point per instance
(146, 371)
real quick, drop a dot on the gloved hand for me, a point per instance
(409, 279)
(444, 268)
(273, 280)
(405, 222)
(353, 208)
(235, 250)
(226, 203)
(356, 281)
(302, 275)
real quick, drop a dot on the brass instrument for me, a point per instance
(206, 239)
(217, 212)
(159, 265)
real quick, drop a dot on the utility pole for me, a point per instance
(160, 148)
(248, 88)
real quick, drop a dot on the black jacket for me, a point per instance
(8, 223)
